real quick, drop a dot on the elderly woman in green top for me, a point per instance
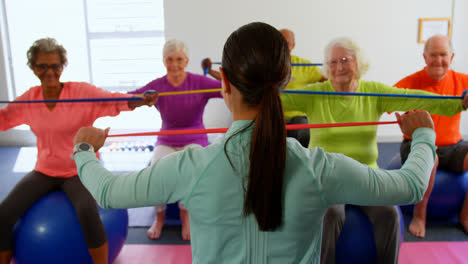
(344, 65)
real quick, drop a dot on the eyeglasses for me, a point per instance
(345, 61)
(176, 60)
(45, 67)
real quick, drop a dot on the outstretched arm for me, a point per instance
(351, 182)
(465, 99)
(166, 181)
(206, 66)
(149, 99)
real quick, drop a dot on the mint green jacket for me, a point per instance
(213, 192)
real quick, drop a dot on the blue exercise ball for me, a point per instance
(172, 217)
(356, 243)
(49, 232)
(447, 196)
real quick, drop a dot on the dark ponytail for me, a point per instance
(256, 61)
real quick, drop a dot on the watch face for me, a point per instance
(84, 147)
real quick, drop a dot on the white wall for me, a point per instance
(386, 30)
(3, 70)
(460, 43)
(459, 37)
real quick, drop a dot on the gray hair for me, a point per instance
(349, 45)
(46, 45)
(174, 46)
(426, 45)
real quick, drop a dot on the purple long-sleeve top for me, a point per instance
(184, 111)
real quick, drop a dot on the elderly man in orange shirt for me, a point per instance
(436, 77)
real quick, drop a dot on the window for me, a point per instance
(125, 40)
(113, 44)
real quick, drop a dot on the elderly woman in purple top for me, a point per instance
(183, 111)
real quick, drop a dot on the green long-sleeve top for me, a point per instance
(212, 191)
(358, 142)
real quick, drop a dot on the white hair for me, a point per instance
(174, 46)
(349, 45)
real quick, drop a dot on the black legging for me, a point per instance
(34, 186)
(301, 135)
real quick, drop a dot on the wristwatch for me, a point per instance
(83, 146)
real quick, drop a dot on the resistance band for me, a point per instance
(376, 94)
(205, 70)
(218, 90)
(224, 130)
(109, 99)
(292, 64)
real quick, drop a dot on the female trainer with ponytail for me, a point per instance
(256, 196)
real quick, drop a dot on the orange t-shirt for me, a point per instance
(447, 128)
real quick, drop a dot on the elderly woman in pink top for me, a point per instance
(55, 125)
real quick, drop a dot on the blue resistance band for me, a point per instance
(376, 94)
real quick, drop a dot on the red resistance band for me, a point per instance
(224, 130)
